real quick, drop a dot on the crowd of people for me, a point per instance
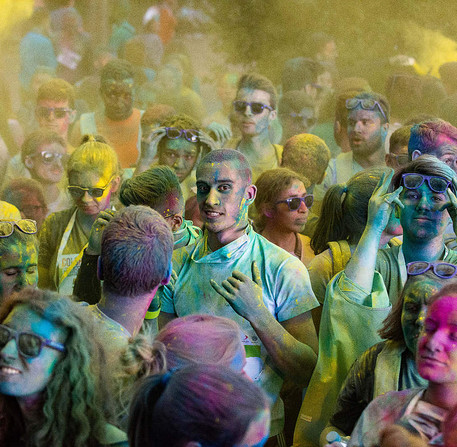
(277, 266)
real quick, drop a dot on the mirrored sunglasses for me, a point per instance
(366, 104)
(51, 157)
(256, 107)
(190, 135)
(443, 270)
(78, 191)
(28, 344)
(435, 183)
(58, 112)
(294, 202)
(27, 226)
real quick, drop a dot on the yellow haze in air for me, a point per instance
(13, 12)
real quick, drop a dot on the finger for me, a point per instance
(256, 274)
(240, 276)
(452, 197)
(220, 290)
(398, 202)
(234, 282)
(229, 288)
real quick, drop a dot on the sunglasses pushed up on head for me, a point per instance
(27, 226)
(365, 104)
(435, 182)
(191, 135)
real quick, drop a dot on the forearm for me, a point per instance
(295, 359)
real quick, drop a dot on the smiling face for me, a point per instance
(282, 217)
(365, 131)
(44, 171)
(18, 268)
(249, 124)
(180, 154)
(437, 347)
(22, 376)
(417, 290)
(424, 215)
(223, 196)
(87, 204)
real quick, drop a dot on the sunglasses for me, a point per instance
(27, 226)
(77, 191)
(441, 269)
(366, 104)
(402, 159)
(51, 157)
(256, 107)
(294, 202)
(435, 183)
(59, 112)
(191, 135)
(28, 344)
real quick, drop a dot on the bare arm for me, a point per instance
(292, 344)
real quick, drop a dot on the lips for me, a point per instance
(212, 214)
(9, 371)
(428, 359)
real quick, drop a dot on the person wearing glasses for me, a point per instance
(54, 387)
(390, 364)
(233, 272)
(93, 174)
(18, 253)
(398, 148)
(282, 206)
(254, 111)
(119, 121)
(422, 201)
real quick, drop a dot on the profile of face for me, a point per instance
(296, 123)
(118, 98)
(18, 268)
(88, 186)
(47, 163)
(437, 346)
(258, 431)
(424, 215)
(248, 123)
(180, 154)
(280, 214)
(365, 131)
(54, 115)
(417, 290)
(223, 196)
(22, 376)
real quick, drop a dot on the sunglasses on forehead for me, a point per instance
(294, 202)
(28, 344)
(78, 191)
(435, 183)
(256, 107)
(58, 112)
(50, 157)
(27, 226)
(191, 135)
(366, 104)
(443, 270)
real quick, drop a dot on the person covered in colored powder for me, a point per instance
(214, 277)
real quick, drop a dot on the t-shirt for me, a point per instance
(260, 165)
(287, 293)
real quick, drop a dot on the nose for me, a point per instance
(358, 126)
(212, 198)
(21, 280)
(179, 162)
(86, 198)
(424, 203)
(302, 208)
(9, 351)
(434, 343)
(248, 111)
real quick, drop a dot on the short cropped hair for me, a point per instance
(307, 155)
(37, 139)
(181, 122)
(255, 81)
(137, 245)
(381, 100)
(157, 114)
(117, 69)
(57, 90)
(152, 188)
(427, 137)
(230, 155)
(399, 138)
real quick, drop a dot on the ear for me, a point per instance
(250, 193)
(72, 116)
(416, 153)
(267, 210)
(176, 222)
(273, 115)
(100, 269)
(28, 162)
(115, 184)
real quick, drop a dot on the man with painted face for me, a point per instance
(254, 110)
(119, 122)
(236, 273)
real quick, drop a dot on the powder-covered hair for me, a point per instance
(428, 136)
(137, 245)
(37, 139)
(18, 237)
(156, 114)
(399, 138)
(152, 188)
(391, 327)
(19, 188)
(57, 90)
(117, 69)
(269, 185)
(211, 405)
(345, 209)
(76, 399)
(94, 156)
(307, 155)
